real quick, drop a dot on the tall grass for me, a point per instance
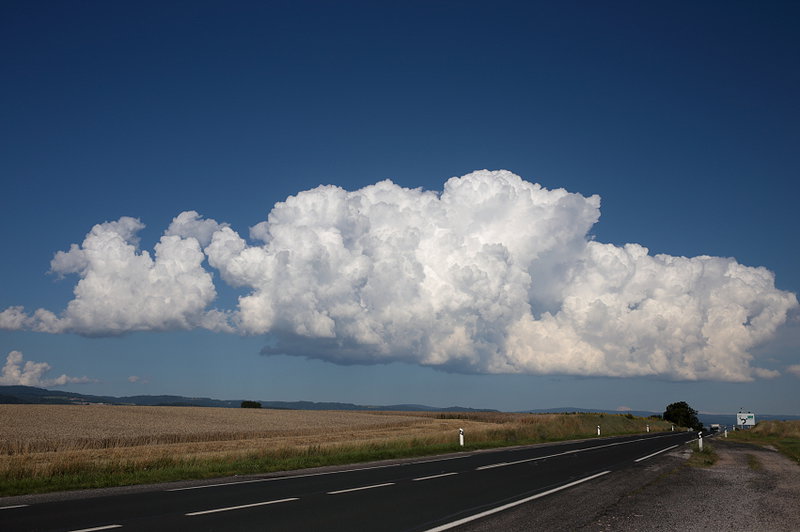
(157, 451)
(783, 435)
(703, 458)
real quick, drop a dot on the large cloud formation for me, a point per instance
(493, 274)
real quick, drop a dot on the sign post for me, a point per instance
(746, 419)
(461, 437)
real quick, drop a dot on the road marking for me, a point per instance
(428, 461)
(491, 466)
(503, 464)
(15, 506)
(471, 518)
(655, 453)
(229, 508)
(107, 527)
(361, 488)
(434, 476)
(273, 479)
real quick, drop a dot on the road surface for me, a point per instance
(436, 493)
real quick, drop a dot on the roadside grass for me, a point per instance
(753, 462)
(143, 454)
(705, 458)
(783, 435)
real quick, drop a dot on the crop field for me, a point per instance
(51, 447)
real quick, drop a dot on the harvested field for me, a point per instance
(46, 447)
(43, 428)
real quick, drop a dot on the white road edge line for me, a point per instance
(107, 527)
(434, 476)
(216, 510)
(361, 488)
(471, 518)
(15, 506)
(655, 453)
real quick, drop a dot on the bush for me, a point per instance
(251, 404)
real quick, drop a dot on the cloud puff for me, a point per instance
(123, 289)
(794, 370)
(493, 274)
(32, 373)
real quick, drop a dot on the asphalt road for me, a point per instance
(437, 493)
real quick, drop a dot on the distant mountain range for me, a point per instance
(33, 395)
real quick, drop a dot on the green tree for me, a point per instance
(251, 404)
(683, 415)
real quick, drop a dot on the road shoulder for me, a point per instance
(749, 488)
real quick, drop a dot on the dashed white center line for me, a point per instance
(12, 507)
(361, 488)
(106, 527)
(503, 464)
(323, 473)
(241, 507)
(491, 466)
(434, 476)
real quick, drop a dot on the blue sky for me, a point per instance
(682, 117)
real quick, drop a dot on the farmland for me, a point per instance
(54, 447)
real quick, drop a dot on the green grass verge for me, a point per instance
(705, 458)
(783, 435)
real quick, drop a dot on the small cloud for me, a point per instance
(137, 380)
(795, 370)
(766, 373)
(32, 373)
(624, 409)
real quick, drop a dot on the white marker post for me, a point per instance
(673, 428)
(700, 441)
(598, 430)
(726, 433)
(648, 428)
(461, 437)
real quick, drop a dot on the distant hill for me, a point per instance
(706, 419)
(33, 395)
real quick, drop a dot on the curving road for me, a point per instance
(433, 494)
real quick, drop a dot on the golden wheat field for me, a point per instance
(41, 438)
(48, 442)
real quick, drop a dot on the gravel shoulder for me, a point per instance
(749, 488)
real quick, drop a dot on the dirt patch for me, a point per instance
(749, 488)
(667, 494)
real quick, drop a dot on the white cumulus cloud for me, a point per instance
(493, 274)
(124, 289)
(32, 373)
(794, 370)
